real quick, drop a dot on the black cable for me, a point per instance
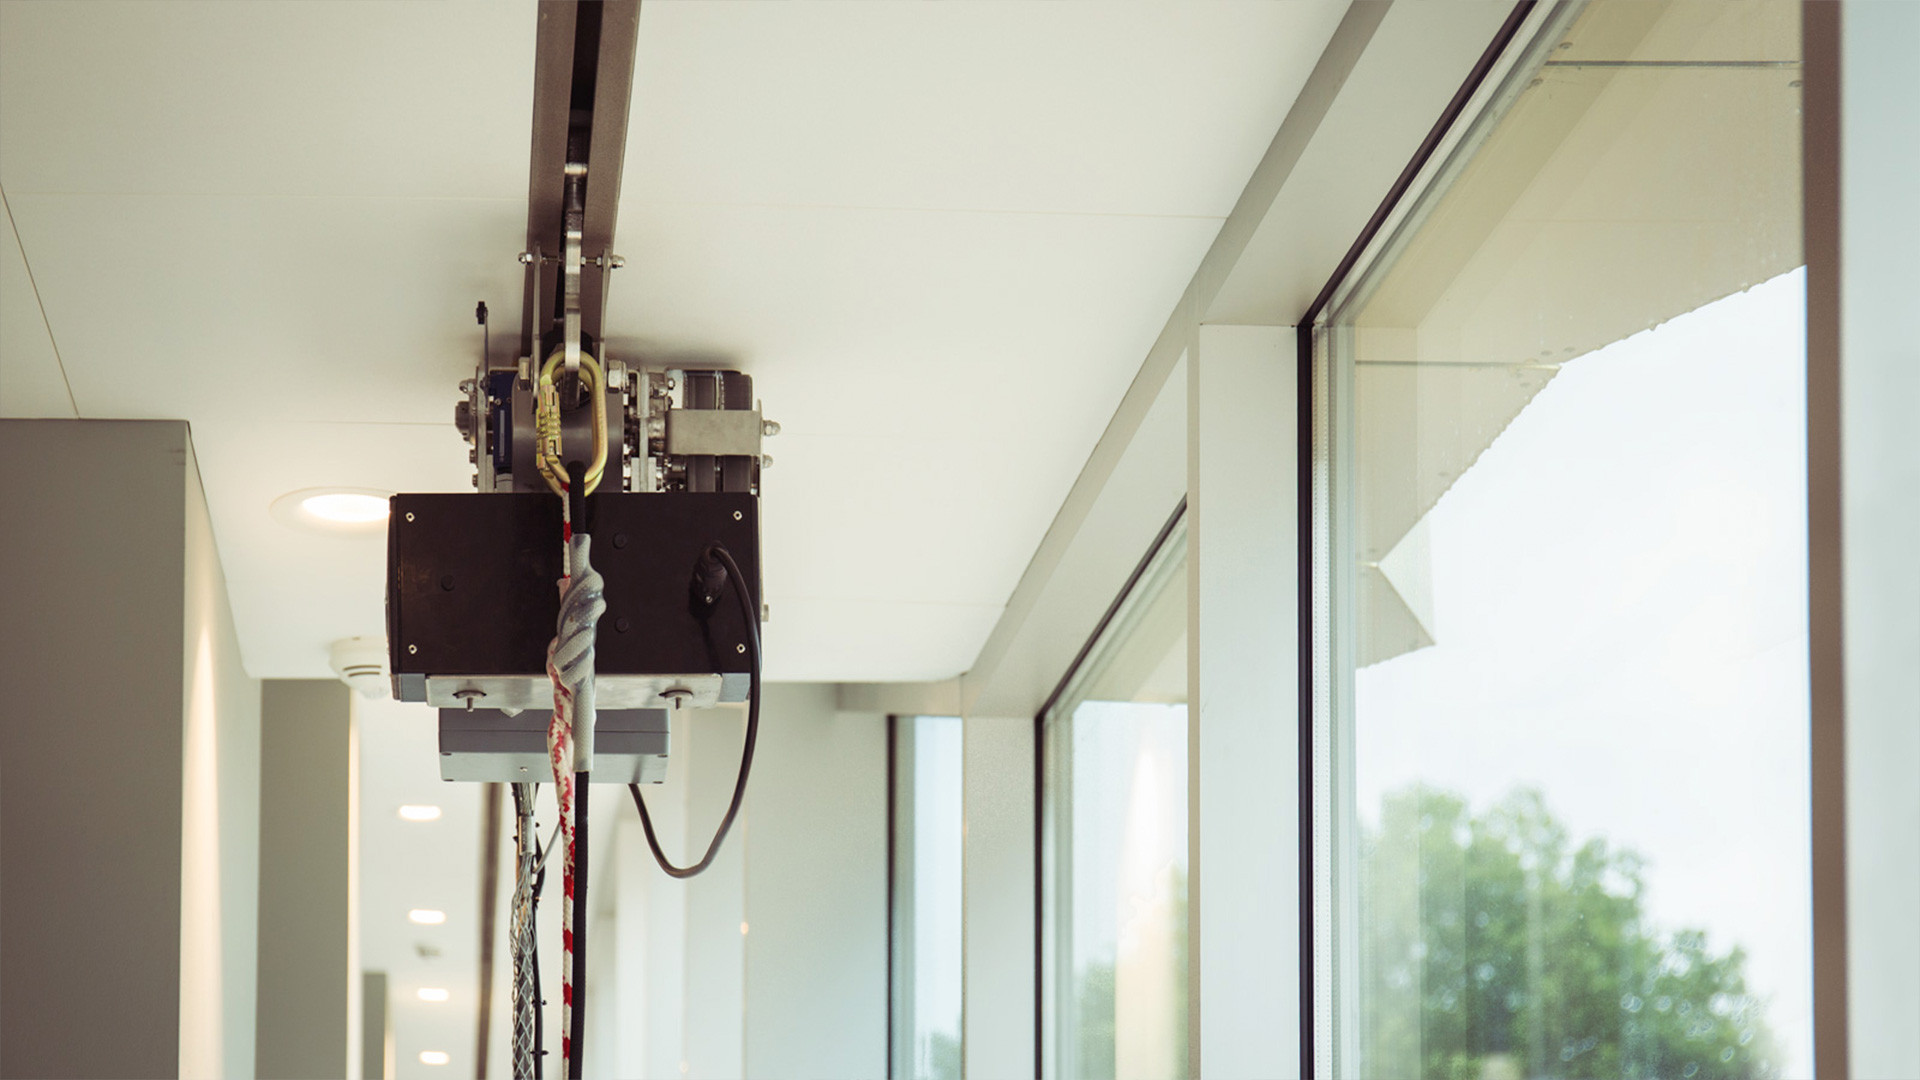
(577, 1027)
(577, 1033)
(751, 616)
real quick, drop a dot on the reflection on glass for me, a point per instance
(1569, 628)
(927, 897)
(1116, 842)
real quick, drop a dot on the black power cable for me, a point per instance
(752, 620)
(576, 1036)
(582, 789)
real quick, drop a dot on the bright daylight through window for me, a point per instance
(1114, 836)
(927, 839)
(1562, 501)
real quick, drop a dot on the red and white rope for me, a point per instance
(560, 755)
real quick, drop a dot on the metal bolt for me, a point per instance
(740, 648)
(409, 515)
(526, 258)
(412, 649)
(622, 624)
(766, 461)
(769, 428)
(619, 540)
(736, 515)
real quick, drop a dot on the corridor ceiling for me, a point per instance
(942, 237)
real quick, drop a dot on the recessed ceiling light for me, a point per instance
(338, 510)
(427, 916)
(433, 993)
(434, 1057)
(420, 813)
(347, 507)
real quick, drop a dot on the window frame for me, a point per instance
(1326, 758)
(1046, 857)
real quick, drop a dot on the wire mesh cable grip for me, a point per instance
(521, 944)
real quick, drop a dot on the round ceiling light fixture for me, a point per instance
(340, 511)
(346, 507)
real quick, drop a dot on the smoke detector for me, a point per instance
(361, 662)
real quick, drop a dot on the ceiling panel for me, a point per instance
(1072, 108)
(825, 639)
(941, 237)
(430, 101)
(31, 384)
(253, 307)
(862, 322)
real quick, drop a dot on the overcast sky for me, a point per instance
(1619, 597)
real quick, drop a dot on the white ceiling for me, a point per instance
(941, 236)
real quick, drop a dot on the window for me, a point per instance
(1114, 840)
(926, 897)
(1561, 499)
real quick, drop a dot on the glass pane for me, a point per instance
(927, 897)
(1569, 627)
(1116, 819)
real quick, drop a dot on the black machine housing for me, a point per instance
(473, 596)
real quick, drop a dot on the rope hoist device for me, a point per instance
(607, 570)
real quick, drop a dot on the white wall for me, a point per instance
(1243, 759)
(219, 814)
(816, 887)
(308, 894)
(772, 963)
(669, 988)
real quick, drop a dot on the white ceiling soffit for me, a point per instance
(942, 237)
(1415, 62)
(1375, 93)
(1676, 186)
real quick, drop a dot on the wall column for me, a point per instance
(1244, 723)
(129, 812)
(997, 951)
(309, 965)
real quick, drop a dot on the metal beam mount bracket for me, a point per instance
(720, 432)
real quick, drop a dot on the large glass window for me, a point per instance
(927, 837)
(1564, 620)
(1114, 841)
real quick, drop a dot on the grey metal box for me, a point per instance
(629, 746)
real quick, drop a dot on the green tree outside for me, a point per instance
(1495, 948)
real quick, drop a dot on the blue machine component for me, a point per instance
(500, 420)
